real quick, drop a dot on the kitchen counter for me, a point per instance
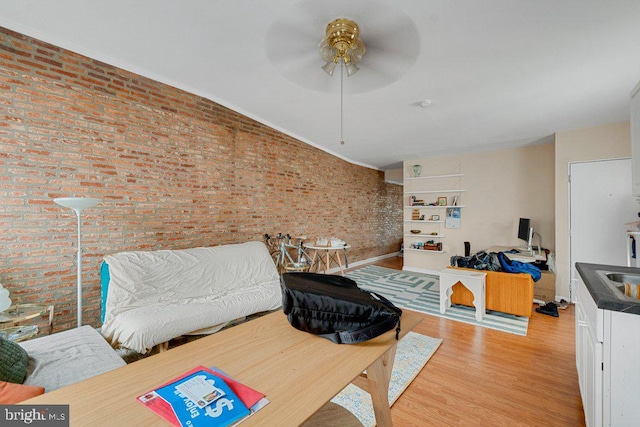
(604, 297)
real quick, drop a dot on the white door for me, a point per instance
(600, 203)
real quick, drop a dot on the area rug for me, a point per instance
(414, 351)
(421, 292)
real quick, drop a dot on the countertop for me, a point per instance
(601, 294)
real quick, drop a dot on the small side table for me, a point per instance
(22, 312)
(19, 333)
(324, 255)
(474, 281)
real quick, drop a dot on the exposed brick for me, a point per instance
(175, 170)
(49, 61)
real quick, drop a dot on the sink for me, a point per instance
(615, 282)
(624, 278)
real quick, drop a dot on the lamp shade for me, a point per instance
(77, 203)
(329, 67)
(351, 68)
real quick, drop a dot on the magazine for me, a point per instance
(203, 396)
(253, 399)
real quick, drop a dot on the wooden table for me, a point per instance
(298, 372)
(324, 255)
(22, 312)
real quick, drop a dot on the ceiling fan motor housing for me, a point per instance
(341, 35)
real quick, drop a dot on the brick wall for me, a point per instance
(175, 170)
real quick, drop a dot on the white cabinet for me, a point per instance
(635, 138)
(589, 356)
(607, 360)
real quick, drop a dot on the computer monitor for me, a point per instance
(525, 232)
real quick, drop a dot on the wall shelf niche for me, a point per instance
(433, 207)
(434, 191)
(426, 251)
(428, 177)
(431, 188)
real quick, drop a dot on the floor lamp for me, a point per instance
(78, 204)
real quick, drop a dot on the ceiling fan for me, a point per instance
(293, 43)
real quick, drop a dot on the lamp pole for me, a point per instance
(78, 204)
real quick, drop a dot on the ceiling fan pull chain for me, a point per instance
(341, 103)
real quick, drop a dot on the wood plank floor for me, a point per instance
(482, 377)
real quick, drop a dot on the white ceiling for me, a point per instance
(500, 73)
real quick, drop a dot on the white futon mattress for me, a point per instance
(159, 295)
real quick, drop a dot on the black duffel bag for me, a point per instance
(333, 307)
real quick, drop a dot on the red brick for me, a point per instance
(175, 170)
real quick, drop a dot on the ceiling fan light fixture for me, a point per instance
(357, 51)
(351, 68)
(329, 67)
(326, 51)
(342, 43)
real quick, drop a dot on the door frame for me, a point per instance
(571, 275)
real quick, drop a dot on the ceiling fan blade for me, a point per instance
(288, 40)
(391, 38)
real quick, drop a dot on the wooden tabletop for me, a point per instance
(325, 248)
(298, 372)
(21, 312)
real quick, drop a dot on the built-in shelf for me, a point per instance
(433, 207)
(434, 191)
(417, 178)
(447, 189)
(424, 250)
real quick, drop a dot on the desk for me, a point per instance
(331, 253)
(521, 256)
(298, 372)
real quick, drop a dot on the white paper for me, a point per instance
(200, 391)
(453, 218)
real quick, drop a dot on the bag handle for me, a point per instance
(372, 331)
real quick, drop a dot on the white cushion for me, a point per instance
(67, 357)
(159, 295)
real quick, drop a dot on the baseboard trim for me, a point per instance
(364, 261)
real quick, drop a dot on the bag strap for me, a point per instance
(364, 334)
(372, 331)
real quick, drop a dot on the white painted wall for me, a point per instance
(601, 142)
(602, 190)
(393, 176)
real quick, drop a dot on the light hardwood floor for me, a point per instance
(482, 377)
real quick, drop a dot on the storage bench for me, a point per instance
(505, 292)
